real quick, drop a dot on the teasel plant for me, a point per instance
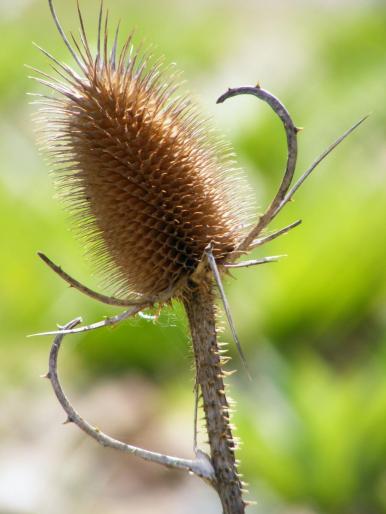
(164, 215)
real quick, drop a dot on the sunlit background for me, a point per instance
(313, 419)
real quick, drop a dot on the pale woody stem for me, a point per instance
(199, 305)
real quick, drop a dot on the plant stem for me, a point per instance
(200, 309)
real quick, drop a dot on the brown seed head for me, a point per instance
(149, 183)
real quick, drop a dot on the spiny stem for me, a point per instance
(199, 306)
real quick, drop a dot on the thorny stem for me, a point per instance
(199, 306)
(200, 466)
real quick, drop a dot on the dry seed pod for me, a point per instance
(149, 182)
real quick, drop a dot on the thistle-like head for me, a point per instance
(148, 181)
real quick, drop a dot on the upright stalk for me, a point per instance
(199, 306)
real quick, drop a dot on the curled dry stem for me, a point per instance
(200, 466)
(284, 193)
(292, 146)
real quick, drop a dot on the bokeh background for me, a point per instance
(313, 419)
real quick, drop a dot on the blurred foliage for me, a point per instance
(313, 326)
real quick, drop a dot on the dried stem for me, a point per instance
(200, 466)
(110, 300)
(196, 391)
(217, 277)
(270, 237)
(284, 193)
(254, 262)
(113, 320)
(199, 305)
(291, 132)
(288, 197)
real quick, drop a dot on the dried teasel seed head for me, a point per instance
(149, 182)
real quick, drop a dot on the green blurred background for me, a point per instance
(313, 419)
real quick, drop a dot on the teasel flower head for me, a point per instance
(149, 182)
(164, 213)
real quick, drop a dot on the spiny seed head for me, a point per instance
(149, 183)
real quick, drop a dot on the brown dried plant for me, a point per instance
(162, 211)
